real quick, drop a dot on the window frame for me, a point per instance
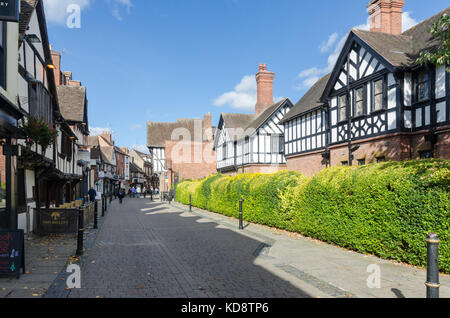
(383, 94)
(416, 84)
(363, 100)
(340, 120)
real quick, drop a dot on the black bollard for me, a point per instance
(96, 215)
(103, 205)
(80, 231)
(432, 282)
(241, 226)
(110, 198)
(106, 203)
(151, 195)
(190, 203)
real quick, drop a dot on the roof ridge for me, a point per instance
(425, 21)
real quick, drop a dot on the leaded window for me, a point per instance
(422, 86)
(342, 107)
(359, 101)
(378, 96)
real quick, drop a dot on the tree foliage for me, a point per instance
(441, 55)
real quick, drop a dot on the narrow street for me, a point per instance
(149, 249)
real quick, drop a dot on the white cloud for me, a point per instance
(55, 10)
(118, 6)
(408, 21)
(242, 97)
(309, 76)
(326, 46)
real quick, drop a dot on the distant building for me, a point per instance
(247, 143)
(181, 150)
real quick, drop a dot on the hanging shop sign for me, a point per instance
(9, 10)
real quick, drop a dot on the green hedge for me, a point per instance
(385, 209)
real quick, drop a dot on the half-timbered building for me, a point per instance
(377, 104)
(46, 176)
(253, 143)
(10, 113)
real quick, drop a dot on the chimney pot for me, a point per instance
(264, 81)
(386, 16)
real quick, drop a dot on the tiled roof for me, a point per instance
(402, 50)
(310, 100)
(158, 133)
(266, 114)
(72, 102)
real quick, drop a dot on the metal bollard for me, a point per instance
(151, 195)
(80, 232)
(432, 282)
(103, 206)
(241, 226)
(96, 215)
(190, 203)
(110, 198)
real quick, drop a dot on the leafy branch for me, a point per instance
(441, 55)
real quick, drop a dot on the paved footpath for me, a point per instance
(151, 249)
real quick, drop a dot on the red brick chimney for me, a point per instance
(264, 81)
(56, 58)
(386, 16)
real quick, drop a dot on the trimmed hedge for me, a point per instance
(384, 209)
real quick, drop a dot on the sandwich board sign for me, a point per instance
(9, 10)
(12, 252)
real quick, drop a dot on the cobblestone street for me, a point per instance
(149, 249)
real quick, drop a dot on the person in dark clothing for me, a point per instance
(92, 194)
(121, 195)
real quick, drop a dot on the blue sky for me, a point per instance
(160, 60)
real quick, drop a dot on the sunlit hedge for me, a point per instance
(385, 209)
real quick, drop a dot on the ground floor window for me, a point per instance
(361, 162)
(381, 159)
(344, 163)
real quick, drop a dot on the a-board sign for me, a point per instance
(9, 10)
(12, 252)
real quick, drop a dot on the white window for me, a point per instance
(378, 95)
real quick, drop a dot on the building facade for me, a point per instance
(181, 150)
(254, 143)
(377, 104)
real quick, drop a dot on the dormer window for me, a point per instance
(422, 87)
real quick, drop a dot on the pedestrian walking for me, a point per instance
(144, 192)
(92, 194)
(133, 192)
(121, 195)
(138, 192)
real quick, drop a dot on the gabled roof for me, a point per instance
(309, 101)
(135, 168)
(395, 51)
(245, 124)
(72, 102)
(236, 121)
(117, 149)
(265, 115)
(158, 133)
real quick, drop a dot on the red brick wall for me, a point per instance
(200, 163)
(307, 165)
